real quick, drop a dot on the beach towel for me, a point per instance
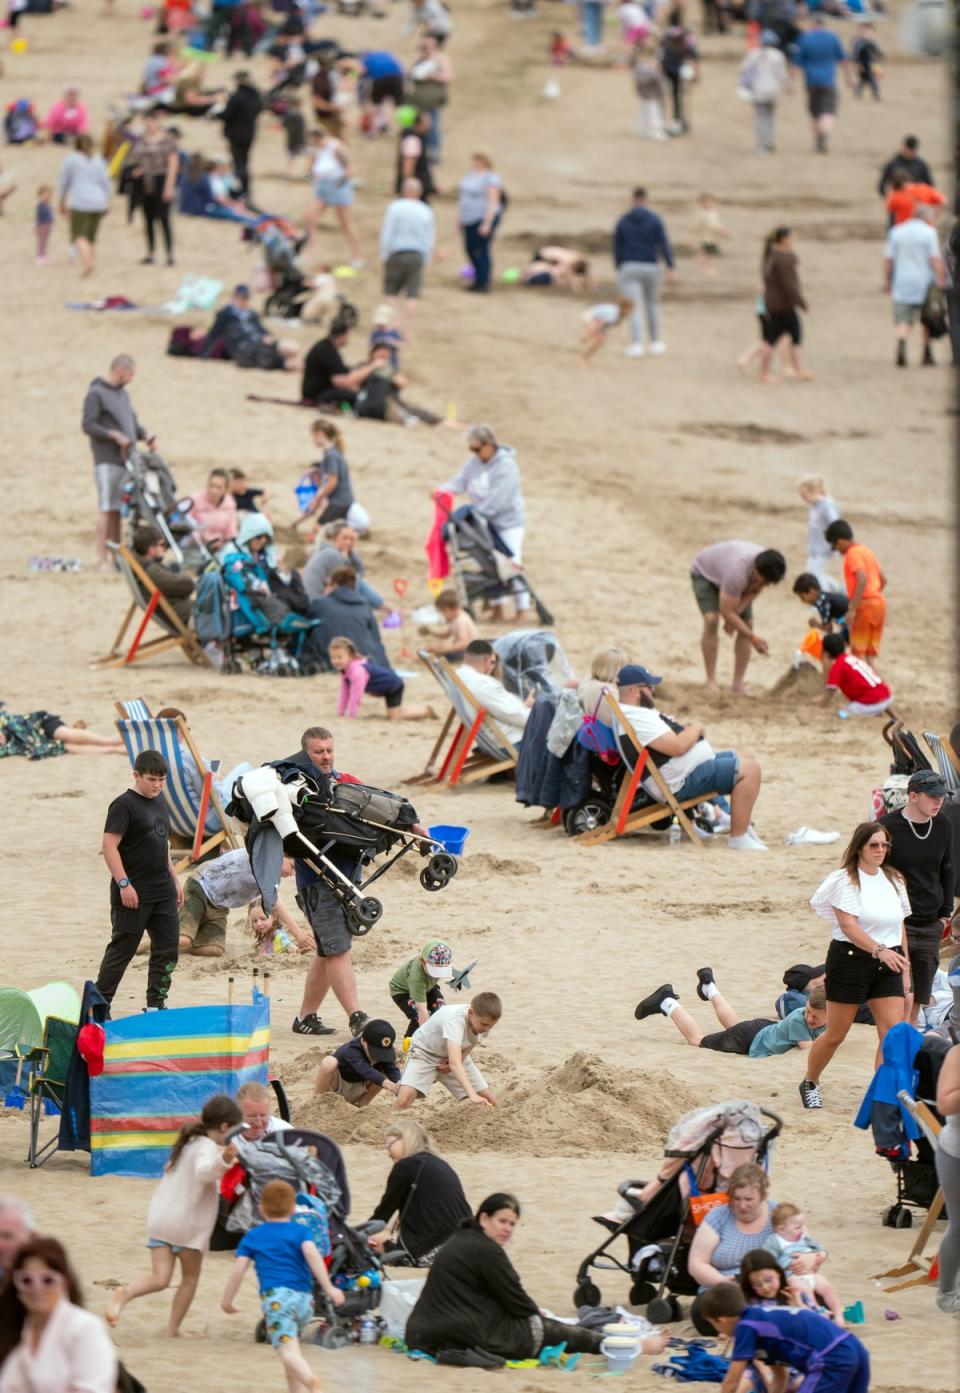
(438, 562)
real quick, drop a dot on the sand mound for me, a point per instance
(798, 684)
(483, 865)
(582, 1107)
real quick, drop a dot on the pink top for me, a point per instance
(67, 120)
(353, 684)
(217, 522)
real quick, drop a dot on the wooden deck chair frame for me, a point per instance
(201, 841)
(150, 601)
(469, 721)
(918, 1269)
(622, 819)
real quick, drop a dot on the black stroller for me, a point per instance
(290, 288)
(703, 1150)
(482, 564)
(531, 660)
(150, 499)
(294, 813)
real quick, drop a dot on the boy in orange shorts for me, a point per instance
(865, 584)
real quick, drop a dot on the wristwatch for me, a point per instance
(123, 882)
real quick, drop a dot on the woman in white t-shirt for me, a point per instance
(868, 961)
(332, 177)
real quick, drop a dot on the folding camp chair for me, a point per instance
(48, 1064)
(136, 710)
(479, 747)
(187, 816)
(146, 597)
(947, 762)
(625, 818)
(918, 1270)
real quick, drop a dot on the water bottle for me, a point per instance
(368, 1330)
(675, 834)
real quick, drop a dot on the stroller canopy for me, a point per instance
(532, 660)
(734, 1124)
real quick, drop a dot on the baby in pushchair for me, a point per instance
(658, 1217)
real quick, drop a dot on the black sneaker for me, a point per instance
(311, 1025)
(358, 1020)
(929, 361)
(810, 1094)
(705, 978)
(901, 355)
(651, 1004)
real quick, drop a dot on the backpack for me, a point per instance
(933, 316)
(373, 397)
(211, 607)
(253, 352)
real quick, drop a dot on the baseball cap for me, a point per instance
(90, 1042)
(241, 289)
(378, 1036)
(636, 675)
(927, 781)
(439, 960)
(800, 975)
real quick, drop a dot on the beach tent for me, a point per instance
(160, 1068)
(23, 1014)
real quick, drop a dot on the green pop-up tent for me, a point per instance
(23, 1014)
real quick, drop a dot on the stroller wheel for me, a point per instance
(587, 1294)
(641, 1293)
(260, 1334)
(903, 1219)
(592, 812)
(429, 881)
(333, 1337)
(443, 866)
(363, 914)
(661, 1310)
(676, 1309)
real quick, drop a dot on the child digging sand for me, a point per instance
(287, 1264)
(790, 1240)
(359, 675)
(440, 1050)
(415, 987)
(760, 1039)
(866, 693)
(450, 638)
(598, 320)
(183, 1210)
(363, 1067)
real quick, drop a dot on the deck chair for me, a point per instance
(478, 748)
(625, 818)
(918, 1269)
(136, 710)
(146, 597)
(187, 816)
(48, 1064)
(947, 762)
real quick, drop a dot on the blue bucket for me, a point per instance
(452, 839)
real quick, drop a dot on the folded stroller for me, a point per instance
(294, 813)
(703, 1149)
(482, 564)
(150, 499)
(531, 660)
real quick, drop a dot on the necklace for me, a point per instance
(920, 836)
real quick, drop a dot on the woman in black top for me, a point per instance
(423, 1203)
(474, 1300)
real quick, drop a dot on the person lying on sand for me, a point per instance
(760, 1038)
(41, 735)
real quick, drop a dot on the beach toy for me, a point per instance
(450, 837)
(345, 273)
(435, 586)
(467, 273)
(510, 276)
(853, 1315)
(147, 12)
(406, 115)
(551, 90)
(394, 620)
(620, 1352)
(400, 585)
(892, 1315)
(19, 46)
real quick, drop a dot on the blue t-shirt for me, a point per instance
(275, 1250)
(379, 63)
(818, 53)
(788, 1335)
(782, 1036)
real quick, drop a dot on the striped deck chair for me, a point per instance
(136, 710)
(947, 762)
(625, 818)
(478, 748)
(146, 597)
(187, 817)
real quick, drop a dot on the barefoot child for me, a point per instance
(865, 692)
(183, 1210)
(359, 674)
(709, 232)
(44, 222)
(363, 1067)
(760, 1039)
(287, 1263)
(457, 629)
(415, 986)
(821, 511)
(440, 1053)
(790, 1240)
(598, 320)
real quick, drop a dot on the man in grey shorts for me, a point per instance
(406, 246)
(111, 423)
(727, 577)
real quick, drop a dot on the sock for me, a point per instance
(668, 1005)
(709, 990)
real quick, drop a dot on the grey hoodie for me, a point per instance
(107, 408)
(493, 489)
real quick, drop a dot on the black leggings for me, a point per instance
(577, 1338)
(434, 1000)
(157, 210)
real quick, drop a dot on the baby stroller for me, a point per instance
(290, 288)
(293, 813)
(236, 627)
(703, 1150)
(150, 499)
(482, 563)
(531, 660)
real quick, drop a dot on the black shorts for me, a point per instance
(821, 101)
(327, 918)
(387, 88)
(50, 724)
(855, 976)
(710, 248)
(736, 1039)
(775, 326)
(394, 699)
(923, 941)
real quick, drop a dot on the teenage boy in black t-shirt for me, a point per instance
(145, 894)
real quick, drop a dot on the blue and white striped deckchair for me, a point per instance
(136, 710)
(479, 747)
(947, 762)
(186, 817)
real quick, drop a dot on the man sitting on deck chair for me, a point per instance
(476, 673)
(687, 761)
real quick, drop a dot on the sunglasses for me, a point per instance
(879, 846)
(29, 1281)
(475, 449)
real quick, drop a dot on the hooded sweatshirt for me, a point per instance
(493, 488)
(108, 408)
(346, 614)
(641, 236)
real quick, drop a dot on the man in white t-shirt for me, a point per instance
(912, 263)
(687, 761)
(476, 674)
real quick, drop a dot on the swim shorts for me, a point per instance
(286, 1313)
(866, 630)
(707, 596)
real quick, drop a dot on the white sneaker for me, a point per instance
(948, 1302)
(634, 350)
(810, 836)
(746, 843)
(658, 346)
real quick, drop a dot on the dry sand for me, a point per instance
(628, 470)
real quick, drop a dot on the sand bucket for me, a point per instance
(620, 1352)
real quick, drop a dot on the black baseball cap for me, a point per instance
(378, 1036)
(927, 781)
(798, 977)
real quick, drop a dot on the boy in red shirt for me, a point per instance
(905, 196)
(865, 693)
(865, 584)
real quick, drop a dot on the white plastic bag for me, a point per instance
(397, 1300)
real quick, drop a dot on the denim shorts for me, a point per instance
(286, 1312)
(335, 193)
(717, 775)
